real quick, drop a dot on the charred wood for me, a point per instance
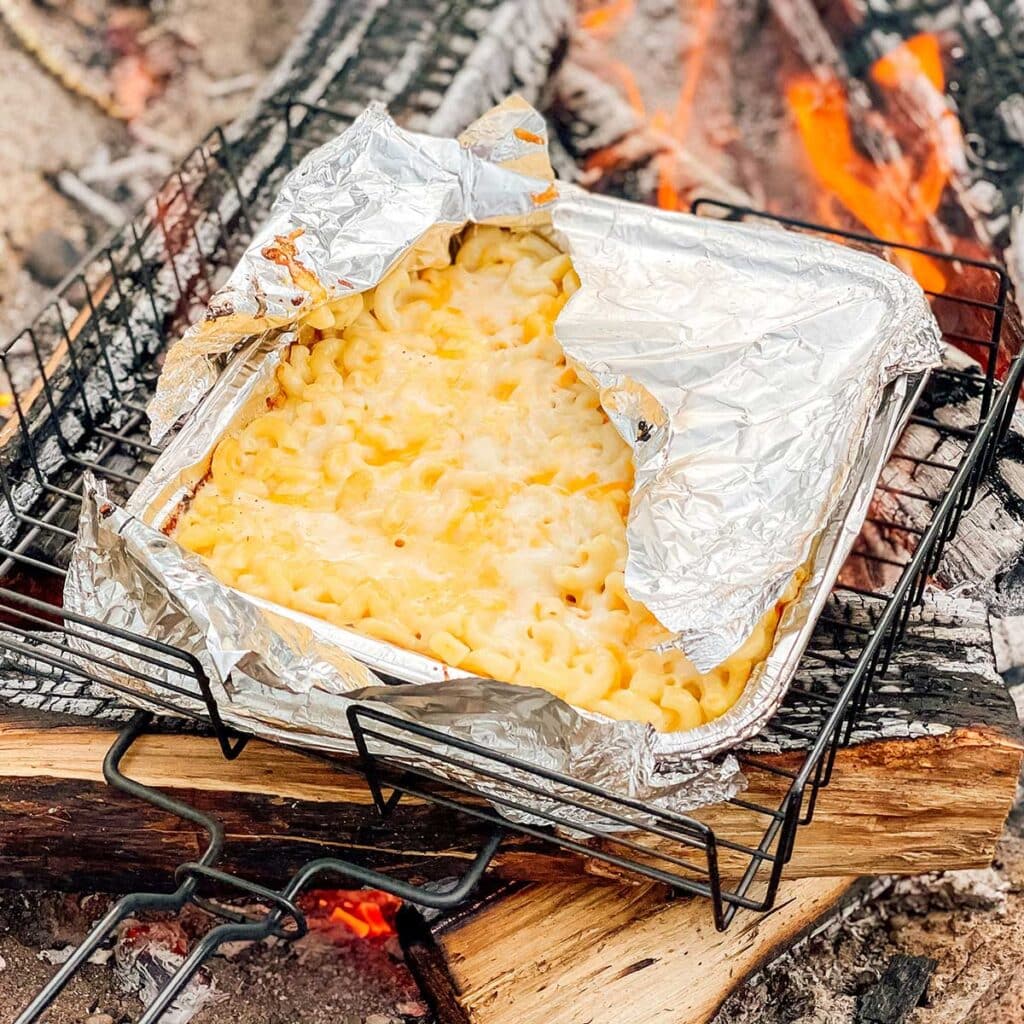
(929, 777)
(899, 990)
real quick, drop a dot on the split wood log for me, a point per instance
(584, 954)
(926, 784)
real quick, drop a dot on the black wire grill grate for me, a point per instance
(94, 355)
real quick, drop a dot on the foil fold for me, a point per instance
(344, 217)
(761, 379)
(756, 359)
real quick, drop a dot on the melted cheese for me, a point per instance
(434, 474)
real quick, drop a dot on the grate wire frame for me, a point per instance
(95, 351)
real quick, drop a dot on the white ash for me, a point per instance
(145, 958)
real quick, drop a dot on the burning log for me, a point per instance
(848, 125)
(926, 786)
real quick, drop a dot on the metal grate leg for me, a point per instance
(136, 902)
(283, 918)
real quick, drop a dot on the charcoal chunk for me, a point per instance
(897, 992)
(50, 257)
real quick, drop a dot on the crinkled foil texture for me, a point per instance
(362, 201)
(766, 354)
(760, 377)
(275, 678)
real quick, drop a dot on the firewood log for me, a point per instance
(580, 954)
(925, 784)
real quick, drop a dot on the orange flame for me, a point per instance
(668, 195)
(607, 157)
(895, 199)
(606, 19)
(917, 55)
(629, 85)
(703, 21)
(365, 913)
(678, 128)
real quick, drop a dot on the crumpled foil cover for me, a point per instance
(359, 203)
(772, 374)
(765, 354)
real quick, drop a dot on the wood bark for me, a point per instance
(925, 784)
(906, 806)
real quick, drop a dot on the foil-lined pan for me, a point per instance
(760, 377)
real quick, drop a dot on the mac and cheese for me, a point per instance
(433, 473)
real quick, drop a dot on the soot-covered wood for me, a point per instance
(926, 784)
(898, 991)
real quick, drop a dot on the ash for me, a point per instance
(171, 66)
(320, 979)
(971, 923)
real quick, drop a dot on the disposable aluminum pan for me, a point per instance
(242, 392)
(773, 373)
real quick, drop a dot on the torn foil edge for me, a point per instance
(273, 678)
(316, 246)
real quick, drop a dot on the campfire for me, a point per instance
(364, 913)
(840, 124)
(765, 110)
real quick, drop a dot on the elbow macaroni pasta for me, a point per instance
(434, 474)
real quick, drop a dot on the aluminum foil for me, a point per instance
(277, 678)
(772, 374)
(345, 216)
(759, 358)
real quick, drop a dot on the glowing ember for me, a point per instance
(365, 913)
(896, 198)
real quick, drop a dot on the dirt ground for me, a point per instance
(328, 977)
(71, 170)
(971, 923)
